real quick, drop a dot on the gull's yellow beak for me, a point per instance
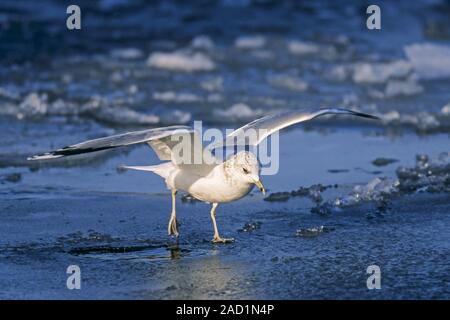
(260, 186)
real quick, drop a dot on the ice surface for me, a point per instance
(65, 88)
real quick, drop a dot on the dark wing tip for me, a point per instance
(357, 113)
(65, 152)
(365, 115)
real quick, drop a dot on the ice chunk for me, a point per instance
(99, 108)
(288, 82)
(202, 42)
(446, 109)
(302, 48)
(34, 104)
(338, 73)
(378, 189)
(422, 121)
(430, 61)
(170, 96)
(238, 112)
(250, 42)
(396, 88)
(364, 72)
(176, 116)
(429, 174)
(212, 84)
(180, 61)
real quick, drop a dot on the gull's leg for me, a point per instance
(172, 228)
(217, 238)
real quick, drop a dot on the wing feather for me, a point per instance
(256, 131)
(151, 136)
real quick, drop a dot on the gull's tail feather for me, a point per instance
(140, 168)
(162, 169)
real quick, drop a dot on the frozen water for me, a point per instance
(302, 48)
(396, 88)
(180, 61)
(250, 42)
(239, 112)
(140, 64)
(288, 82)
(430, 61)
(202, 42)
(380, 72)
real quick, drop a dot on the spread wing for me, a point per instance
(256, 131)
(179, 144)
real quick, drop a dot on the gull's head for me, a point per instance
(244, 166)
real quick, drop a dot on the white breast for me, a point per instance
(214, 187)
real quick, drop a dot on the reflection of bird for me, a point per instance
(206, 178)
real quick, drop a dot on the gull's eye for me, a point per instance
(245, 170)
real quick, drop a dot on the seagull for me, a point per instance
(209, 180)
